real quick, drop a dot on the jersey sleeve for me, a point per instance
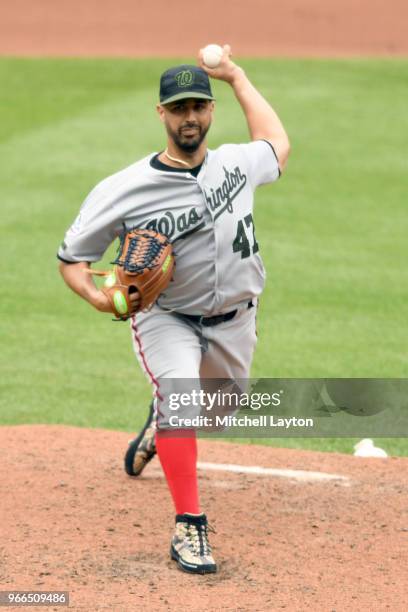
(95, 227)
(262, 162)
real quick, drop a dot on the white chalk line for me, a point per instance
(300, 475)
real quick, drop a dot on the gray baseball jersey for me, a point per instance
(208, 218)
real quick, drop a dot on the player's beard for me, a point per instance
(191, 144)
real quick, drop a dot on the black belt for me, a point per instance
(210, 321)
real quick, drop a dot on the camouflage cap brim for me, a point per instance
(185, 95)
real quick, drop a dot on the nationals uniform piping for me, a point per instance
(202, 200)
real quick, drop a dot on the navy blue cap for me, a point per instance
(183, 82)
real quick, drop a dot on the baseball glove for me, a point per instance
(144, 264)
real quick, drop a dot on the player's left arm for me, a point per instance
(263, 122)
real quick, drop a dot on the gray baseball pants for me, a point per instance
(169, 346)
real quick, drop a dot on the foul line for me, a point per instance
(301, 475)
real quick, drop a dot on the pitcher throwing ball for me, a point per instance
(203, 325)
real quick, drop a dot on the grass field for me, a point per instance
(332, 231)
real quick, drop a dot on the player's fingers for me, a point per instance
(134, 297)
(210, 71)
(201, 62)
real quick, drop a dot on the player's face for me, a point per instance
(187, 122)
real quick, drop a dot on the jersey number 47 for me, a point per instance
(241, 242)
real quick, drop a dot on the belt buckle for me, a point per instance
(200, 320)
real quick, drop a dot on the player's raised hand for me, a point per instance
(226, 70)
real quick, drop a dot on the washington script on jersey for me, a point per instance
(190, 221)
(223, 196)
(186, 223)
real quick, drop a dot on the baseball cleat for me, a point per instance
(190, 546)
(143, 448)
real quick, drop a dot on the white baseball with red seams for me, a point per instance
(212, 55)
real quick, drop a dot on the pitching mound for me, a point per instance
(72, 520)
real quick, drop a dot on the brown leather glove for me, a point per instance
(144, 264)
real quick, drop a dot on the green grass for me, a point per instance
(332, 231)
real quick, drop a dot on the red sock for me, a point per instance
(178, 457)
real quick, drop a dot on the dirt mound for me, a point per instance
(72, 520)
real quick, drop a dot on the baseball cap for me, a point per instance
(184, 81)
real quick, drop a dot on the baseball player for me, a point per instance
(203, 326)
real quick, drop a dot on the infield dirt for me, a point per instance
(260, 27)
(73, 520)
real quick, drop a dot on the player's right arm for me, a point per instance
(263, 121)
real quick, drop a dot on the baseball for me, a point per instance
(212, 55)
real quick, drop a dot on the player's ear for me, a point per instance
(212, 109)
(160, 110)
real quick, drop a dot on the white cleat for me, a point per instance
(190, 546)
